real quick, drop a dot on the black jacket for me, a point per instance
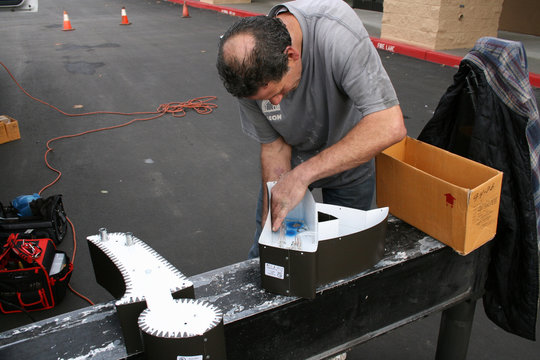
(473, 122)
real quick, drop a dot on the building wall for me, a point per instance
(522, 16)
(440, 24)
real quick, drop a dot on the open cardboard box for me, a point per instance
(453, 199)
(9, 129)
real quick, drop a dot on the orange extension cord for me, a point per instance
(201, 105)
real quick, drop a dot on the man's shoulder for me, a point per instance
(316, 5)
(330, 17)
(317, 8)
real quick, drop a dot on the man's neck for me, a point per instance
(293, 26)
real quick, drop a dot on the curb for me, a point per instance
(431, 55)
(417, 52)
(222, 9)
(387, 45)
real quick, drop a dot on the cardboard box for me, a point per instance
(453, 199)
(9, 129)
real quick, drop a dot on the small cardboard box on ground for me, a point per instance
(453, 199)
(9, 129)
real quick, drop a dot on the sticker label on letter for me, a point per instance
(274, 271)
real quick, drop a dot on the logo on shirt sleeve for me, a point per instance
(272, 112)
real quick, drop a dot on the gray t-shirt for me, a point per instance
(342, 81)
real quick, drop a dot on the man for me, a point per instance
(313, 92)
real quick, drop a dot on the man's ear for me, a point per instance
(292, 53)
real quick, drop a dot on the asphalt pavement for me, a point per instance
(187, 186)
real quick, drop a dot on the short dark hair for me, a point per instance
(266, 62)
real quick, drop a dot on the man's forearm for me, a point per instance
(275, 161)
(369, 137)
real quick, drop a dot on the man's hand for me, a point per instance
(286, 194)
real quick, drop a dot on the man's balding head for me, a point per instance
(252, 53)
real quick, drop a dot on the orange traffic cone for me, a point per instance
(125, 20)
(67, 23)
(185, 11)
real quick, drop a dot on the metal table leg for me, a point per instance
(455, 331)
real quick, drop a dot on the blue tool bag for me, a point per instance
(33, 217)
